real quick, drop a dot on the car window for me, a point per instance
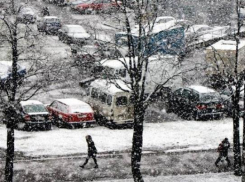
(109, 100)
(121, 101)
(87, 90)
(186, 94)
(34, 108)
(103, 97)
(178, 92)
(63, 108)
(210, 97)
(94, 93)
(194, 96)
(54, 105)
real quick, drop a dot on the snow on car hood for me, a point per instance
(79, 35)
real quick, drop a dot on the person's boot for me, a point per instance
(96, 166)
(82, 166)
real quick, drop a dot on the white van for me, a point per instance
(161, 69)
(110, 102)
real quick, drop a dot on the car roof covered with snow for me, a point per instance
(118, 63)
(226, 45)
(76, 106)
(31, 102)
(72, 101)
(110, 88)
(50, 17)
(201, 89)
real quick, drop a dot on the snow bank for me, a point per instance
(169, 136)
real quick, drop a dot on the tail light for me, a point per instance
(201, 106)
(219, 106)
(27, 117)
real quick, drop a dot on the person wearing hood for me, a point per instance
(92, 151)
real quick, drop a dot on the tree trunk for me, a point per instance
(137, 142)
(243, 143)
(9, 154)
(236, 135)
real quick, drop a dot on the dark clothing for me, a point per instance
(45, 12)
(91, 148)
(223, 151)
(92, 151)
(88, 157)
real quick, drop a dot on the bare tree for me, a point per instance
(21, 40)
(228, 70)
(137, 65)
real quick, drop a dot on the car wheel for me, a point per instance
(48, 126)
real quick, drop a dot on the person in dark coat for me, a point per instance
(223, 151)
(45, 11)
(92, 151)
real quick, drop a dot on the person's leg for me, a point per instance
(95, 161)
(228, 161)
(86, 161)
(217, 161)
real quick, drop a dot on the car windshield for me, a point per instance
(80, 108)
(209, 97)
(52, 20)
(77, 30)
(34, 108)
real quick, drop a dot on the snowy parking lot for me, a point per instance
(167, 136)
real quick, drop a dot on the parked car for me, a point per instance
(74, 4)
(227, 102)
(34, 115)
(75, 34)
(49, 24)
(98, 5)
(26, 15)
(71, 113)
(197, 102)
(6, 71)
(195, 31)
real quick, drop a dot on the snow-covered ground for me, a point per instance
(168, 137)
(212, 177)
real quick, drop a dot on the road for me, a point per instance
(113, 166)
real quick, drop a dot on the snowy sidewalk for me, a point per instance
(210, 177)
(118, 167)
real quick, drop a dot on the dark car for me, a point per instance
(49, 25)
(33, 115)
(73, 34)
(226, 95)
(26, 15)
(197, 102)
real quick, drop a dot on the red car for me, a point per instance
(98, 5)
(71, 113)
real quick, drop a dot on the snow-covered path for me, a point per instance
(212, 177)
(168, 136)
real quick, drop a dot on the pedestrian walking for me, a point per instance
(92, 151)
(223, 152)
